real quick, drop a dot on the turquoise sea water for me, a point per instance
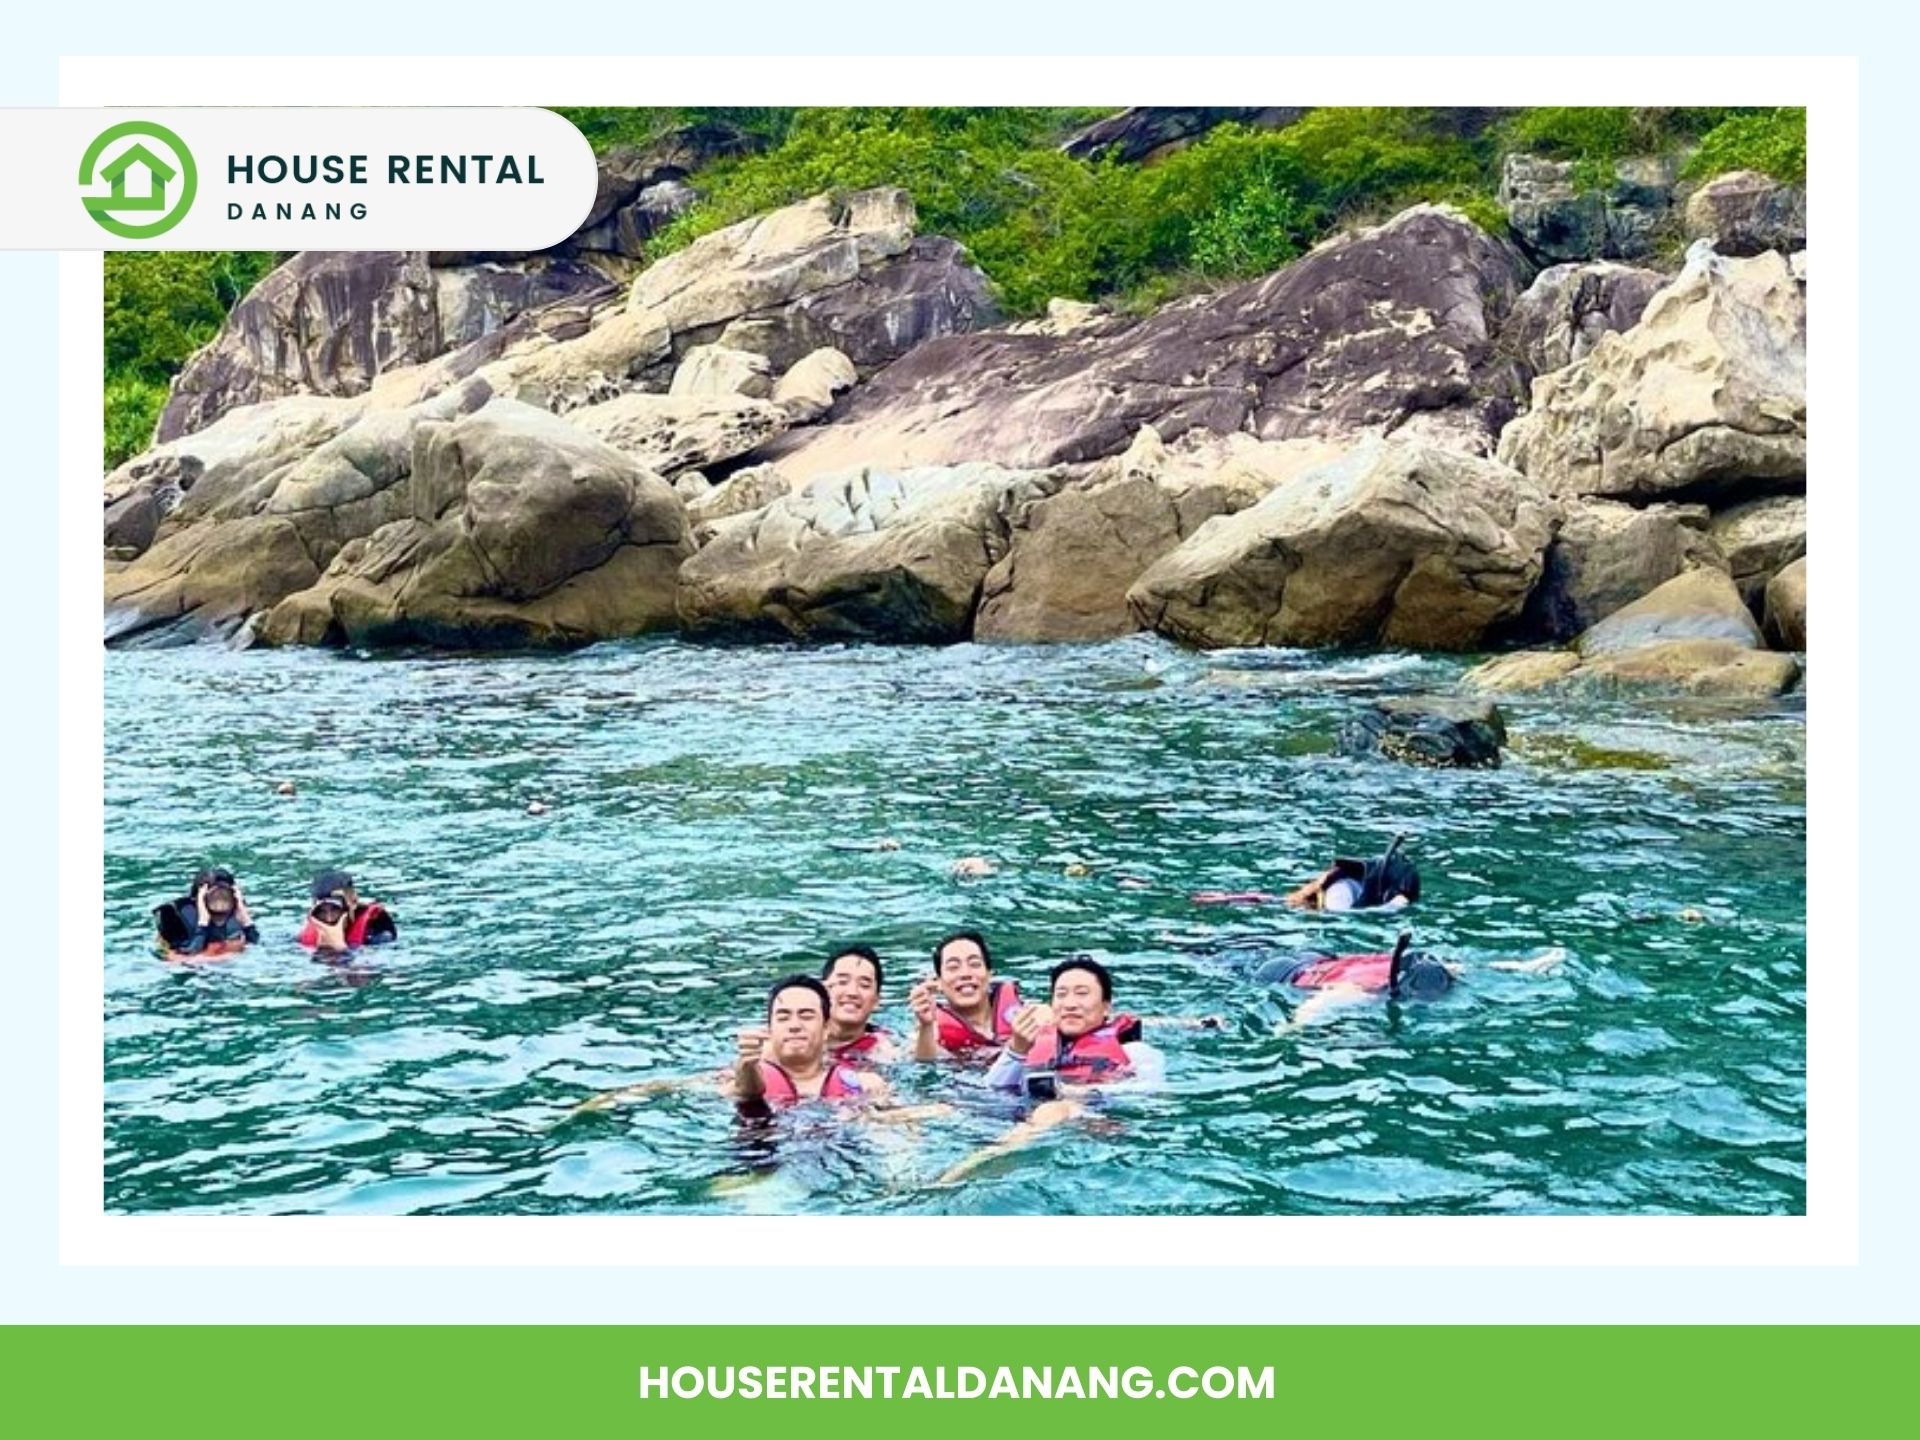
(706, 809)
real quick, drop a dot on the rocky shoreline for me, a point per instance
(816, 425)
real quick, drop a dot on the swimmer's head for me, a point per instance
(1081, 990)
(1421, 976)
(797, 1009)
(964, 966)
(852, 979)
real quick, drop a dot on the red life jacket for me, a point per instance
(958, 1035)
(1087, 1059)
(862, 1046)
(841, 1084)
(1363, 972)
(213, 950)
(357, 928)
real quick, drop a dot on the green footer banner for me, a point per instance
(819, 1378)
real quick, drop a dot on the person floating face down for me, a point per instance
(787, 1061)
(853, 979)
(962, 1008)
(338, 920)
(1392, 880)
(210, 920)
(1330, 981)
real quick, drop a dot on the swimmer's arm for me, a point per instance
(926, 1042)
(1008, 1071)
(627, 1094)
(747, 1083)
(907, 1114)
(1185, 1022)
(1545, 963)
(926, 1020)
(1043, 1119)
(1319, 1002)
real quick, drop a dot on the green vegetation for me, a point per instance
(1235, 203)
(161, 306)
(1774, 142)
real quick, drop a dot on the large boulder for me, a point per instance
(242, 447)
(1692, 636)
(330, 322)
(1563, 314)
(1605, 555)
(1786, 607)
(931, 289)
(1073, 554)
(870, 555)
(297, 505)
(1556, 216)
(1390, 543)
(1707, 395)
(811, 384)
(520, 530)
(671, 433)
(716, 370)
(1744, 212)
(1702, 604)
(1388, 330)
(1759, 539)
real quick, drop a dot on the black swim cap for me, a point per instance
(328, 881)
(1422, 977)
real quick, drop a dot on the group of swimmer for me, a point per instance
(819, 1040)
(212, 921)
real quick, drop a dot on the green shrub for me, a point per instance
(132, 408)
(1773, 142)
(161, 306)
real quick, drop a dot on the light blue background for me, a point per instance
(34, 1288)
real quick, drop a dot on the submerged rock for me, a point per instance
(1699, 605)
(1428, 730)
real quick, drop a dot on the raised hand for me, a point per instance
(1028, 1021)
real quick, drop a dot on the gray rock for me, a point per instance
(1744, 212)
(1555, 219)
(1389, 543)
(1388, 330)
(330, 323)
(1566, 310)
(1699, 605)
(1786, 607)
(1759, 539)
(1606, 555)
(1706, 396)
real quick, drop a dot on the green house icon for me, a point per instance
(152, 203)
(159, 175)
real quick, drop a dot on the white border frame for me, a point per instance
(1828, 1234)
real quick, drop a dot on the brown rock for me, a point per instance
(1706, 395)
(1698, 605)
(1391, 544)
(1786, 607)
